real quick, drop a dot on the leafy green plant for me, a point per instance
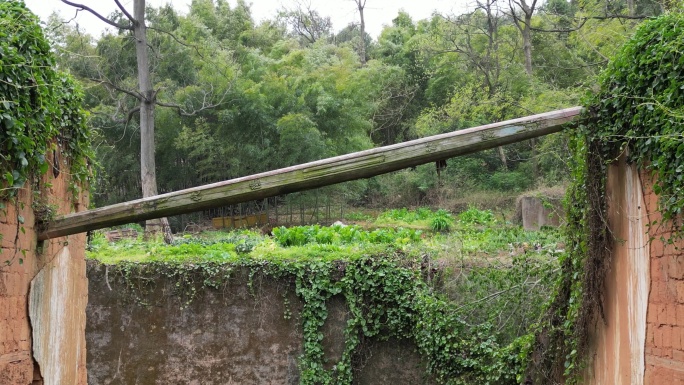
(41, 109)
(357, 216)
(441, 221)
(303, 235)
(637, 112)
(475, 216)
(405, 215)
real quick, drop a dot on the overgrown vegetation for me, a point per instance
(638, 113)
(256, 96)
(42, 120)
(41, 109)
(479, 320)
(465, 297)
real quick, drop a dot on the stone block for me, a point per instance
(25, 333)
(651, 201)
(666, 337)
(4, 308)
(662, 248)
(675, 266)
(657, 352)
(3, 330)
(680, 315)
(671, 310)
(8, 215)
(658, 337)
(11, 345)
(652, 314)
(678, 355)
(674, 335)
(679, 287)
(9, 233)
(537, 211)
(650, 327)
(656, 270)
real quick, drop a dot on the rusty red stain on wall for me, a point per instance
(18, 248)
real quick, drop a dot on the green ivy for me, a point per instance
(40, 107)
(386, 296)
(640, 108)
(638, 111)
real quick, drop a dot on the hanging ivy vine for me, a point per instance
(40, 107)
(386, 296)
(638, 112)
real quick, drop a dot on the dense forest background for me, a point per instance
(237, 98)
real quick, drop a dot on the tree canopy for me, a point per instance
(247, 97)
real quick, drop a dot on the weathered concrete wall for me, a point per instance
(619, 342)
(642, 340)
(536, 212)
(225, 336)
(58, 346)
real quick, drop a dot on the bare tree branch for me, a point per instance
(583, 21)
(109, 84)
(132, 112)
(207, 103)
(110, 22)
(577, 28)
(628, 17)
(125, 12)
(179, 41)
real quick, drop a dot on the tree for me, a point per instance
(361, 5)
(134, 25)
(524, 24)
(475, 36)
(306, 23)
(146, 96)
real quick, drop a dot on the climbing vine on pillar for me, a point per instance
(638, 111)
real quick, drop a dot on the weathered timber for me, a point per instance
(358, 165)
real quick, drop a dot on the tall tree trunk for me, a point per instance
(502, 156)
(524, 25)
(148, 172)
(527, 43)
(362, 48)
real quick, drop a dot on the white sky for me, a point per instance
(342, 12)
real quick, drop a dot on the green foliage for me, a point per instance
(640, 108)
(477, 332)
(277, 100)
(338, 235)
(636, 112)
(441, 221)
(190, 278)
(475, 216)
(40, 108)
(357, 216)
(408, 216)
(386, 297)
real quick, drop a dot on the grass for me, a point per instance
(493, 272)
(231, 247)
(475, 236)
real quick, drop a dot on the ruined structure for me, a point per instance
(43, 292)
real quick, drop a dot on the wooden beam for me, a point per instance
(358, 165)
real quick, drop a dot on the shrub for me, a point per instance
(475, 216)
(441, 221)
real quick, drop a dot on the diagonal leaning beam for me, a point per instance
(358, 165)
